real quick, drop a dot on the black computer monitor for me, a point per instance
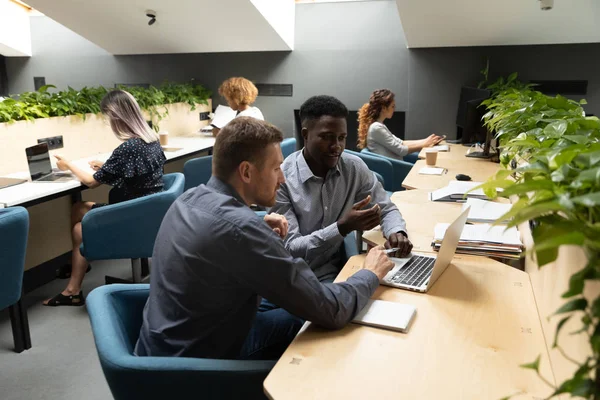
(396, 125)
(463, 118)
(474, 130)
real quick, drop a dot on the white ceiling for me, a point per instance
(182, 26)
(447, 23)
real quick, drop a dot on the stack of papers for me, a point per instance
(484, 240)
(456, 190)
(223, 115)
(485, 211)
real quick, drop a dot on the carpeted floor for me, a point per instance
(62, 363)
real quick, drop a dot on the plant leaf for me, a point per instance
(533, 365)
(558, 328)
(579, 304)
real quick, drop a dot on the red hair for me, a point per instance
(370, 112)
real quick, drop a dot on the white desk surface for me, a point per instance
(29, 191)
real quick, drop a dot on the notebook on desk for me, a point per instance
(456, 190)
(386, 314)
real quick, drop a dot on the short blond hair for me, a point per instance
(239, 90)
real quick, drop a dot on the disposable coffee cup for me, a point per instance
(164, 138)
(430, 156)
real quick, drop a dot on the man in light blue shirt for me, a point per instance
(325, 192)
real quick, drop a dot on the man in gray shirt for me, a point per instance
(214, 257)
(326, 189)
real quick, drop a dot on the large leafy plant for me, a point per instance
(45, 104)
(554, 150)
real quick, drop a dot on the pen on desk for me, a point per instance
(445, 170)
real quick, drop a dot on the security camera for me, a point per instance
(152, 15)
(546, 5)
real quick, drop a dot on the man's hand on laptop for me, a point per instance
(378, 262)
(278, 223)
(359, 219)
(401, 242)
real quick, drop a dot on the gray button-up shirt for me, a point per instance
(313, 205)
(212, 258)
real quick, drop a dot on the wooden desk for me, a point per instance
(479, 170)
(471, 332)
(420, 215)
(30, 193)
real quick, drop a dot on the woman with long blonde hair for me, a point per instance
(375, 136)
(134, 169)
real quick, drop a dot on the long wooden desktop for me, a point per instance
(455, 162)
(473, 329)
(471, 333)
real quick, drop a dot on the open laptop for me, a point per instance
(40, 167)
(420, 271)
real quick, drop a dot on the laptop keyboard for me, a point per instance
(53, 177)
(416, 271)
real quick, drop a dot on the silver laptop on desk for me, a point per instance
(40, 168)
(419, 272)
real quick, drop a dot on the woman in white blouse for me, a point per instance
(375, 136)
(240, 94)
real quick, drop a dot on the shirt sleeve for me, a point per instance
(273, 273)
(381, 135)
(308, 246)
(113, 170)
(391, 218)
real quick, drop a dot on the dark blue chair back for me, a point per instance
(14, 226)
(288, 146)
(128, 229)
(197, 171)
(116, 317)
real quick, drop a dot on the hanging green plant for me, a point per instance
(556, 184)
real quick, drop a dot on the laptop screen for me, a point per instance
(38, 159)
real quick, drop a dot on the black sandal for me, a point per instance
(62, 300)
(64, 272)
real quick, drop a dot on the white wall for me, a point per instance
(15, 32)
(280, 14)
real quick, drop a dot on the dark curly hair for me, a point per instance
(370, 111)
(318, 106)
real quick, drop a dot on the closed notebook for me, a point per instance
(386, 314)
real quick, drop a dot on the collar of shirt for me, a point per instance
(225, 188)
(306, 173)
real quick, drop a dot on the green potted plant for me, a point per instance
(555, 150)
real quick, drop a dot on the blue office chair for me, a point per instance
(14, 226)
(382, 166)
(288, 146)
(401, 168)
(412, 157)
(197, 171)
(116, 317)
(128, 229)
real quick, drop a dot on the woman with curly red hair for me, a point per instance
(375, 136)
